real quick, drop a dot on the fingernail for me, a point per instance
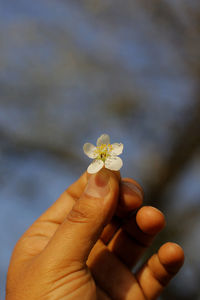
(133, 188)
(98, 185)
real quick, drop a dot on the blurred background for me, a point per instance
(72, 70)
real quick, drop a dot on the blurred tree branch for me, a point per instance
(187, 142)
(187, 139)
(10, 143)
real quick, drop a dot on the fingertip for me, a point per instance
(137, 186)
(131, 190)
(115, 174)
(171, 255)
(150, 220)
(130, 198)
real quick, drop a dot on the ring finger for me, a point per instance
(136, 235)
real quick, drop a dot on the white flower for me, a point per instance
(104, 154)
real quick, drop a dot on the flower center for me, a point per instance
(103, 151)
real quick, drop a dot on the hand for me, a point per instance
(85, 245)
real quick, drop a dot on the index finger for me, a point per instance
(130, 199)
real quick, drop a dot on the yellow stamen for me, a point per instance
(103, 151)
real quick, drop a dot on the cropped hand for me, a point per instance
(86, 244)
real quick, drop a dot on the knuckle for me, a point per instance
(83, 212)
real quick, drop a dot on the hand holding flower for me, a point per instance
(85, 245)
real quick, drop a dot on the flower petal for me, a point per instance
(113, 163)
(103, 139)
(117, 149)
(95, 166)
(89, 150)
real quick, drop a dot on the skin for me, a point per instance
(84, 247)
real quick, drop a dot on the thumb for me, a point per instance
(79, 232)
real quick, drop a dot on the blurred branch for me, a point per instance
(11, 143)
(186, 144)
(187, 140)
